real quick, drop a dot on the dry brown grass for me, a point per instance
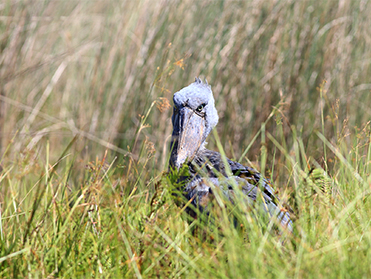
(94, 67)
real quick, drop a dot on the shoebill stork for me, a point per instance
(194, 116)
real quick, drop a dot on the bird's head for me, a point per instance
(194, 116)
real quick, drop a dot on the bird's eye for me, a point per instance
(200, 107)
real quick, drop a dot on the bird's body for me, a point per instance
(193, 118)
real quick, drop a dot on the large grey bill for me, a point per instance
(187, 136)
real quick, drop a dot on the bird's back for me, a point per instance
(208, 170)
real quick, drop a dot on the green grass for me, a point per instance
(85, 88)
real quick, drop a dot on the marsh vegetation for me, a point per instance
(85, 104)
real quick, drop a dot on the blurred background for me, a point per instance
(106, 71)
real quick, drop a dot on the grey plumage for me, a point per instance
(194, 116)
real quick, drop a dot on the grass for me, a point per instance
(85, 95)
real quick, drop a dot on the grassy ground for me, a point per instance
(85, 95)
